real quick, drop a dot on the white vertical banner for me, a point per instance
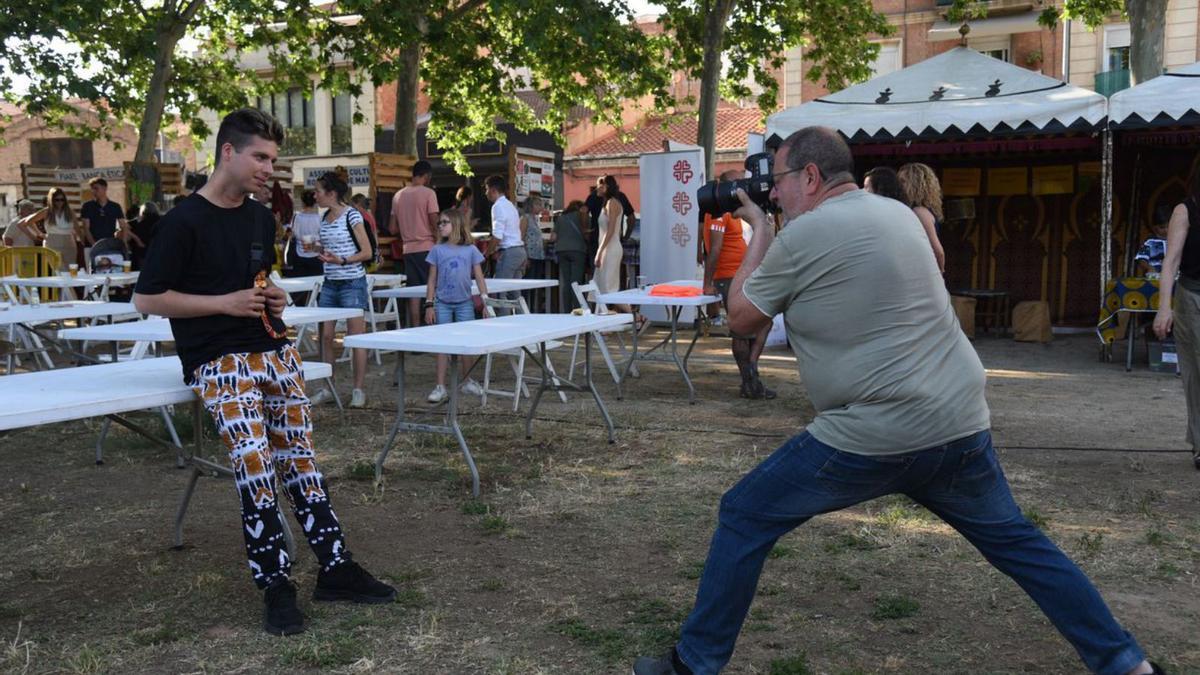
(670, 221)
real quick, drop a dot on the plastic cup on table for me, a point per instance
(641, 282)
(126, 265)
(73, 269)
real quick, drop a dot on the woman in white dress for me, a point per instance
(60, 225)
(608, 255)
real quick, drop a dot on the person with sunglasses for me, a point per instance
(452, 264)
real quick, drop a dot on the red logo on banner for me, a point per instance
(682, 203)
(679, 234)
(682, 171)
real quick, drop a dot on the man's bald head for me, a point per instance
(823, 147)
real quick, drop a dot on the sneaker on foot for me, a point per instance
(471, 387)
(281, 616)
(664, 665)
(437, 395)
(349, 581)
(358, 399)
(322, 396)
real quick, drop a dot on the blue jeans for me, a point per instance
(453, 312)
(346, 293)
(961, 482)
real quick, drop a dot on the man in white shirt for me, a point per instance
(508, 235)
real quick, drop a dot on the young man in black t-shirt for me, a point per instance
(101, 218)
(205, 271)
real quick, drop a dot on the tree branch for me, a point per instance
(189, 12)
(462, 9)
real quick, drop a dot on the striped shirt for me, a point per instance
(336, 238)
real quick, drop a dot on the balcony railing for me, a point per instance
(1109, 83)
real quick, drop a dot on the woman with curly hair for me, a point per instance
(924, 195)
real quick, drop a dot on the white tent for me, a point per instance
(1166, 99)
(957, 93)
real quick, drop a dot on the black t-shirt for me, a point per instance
(102, 220)
(1189, 261)
(202, 249)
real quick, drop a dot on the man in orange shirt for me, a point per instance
(726, 248)
(414, 221)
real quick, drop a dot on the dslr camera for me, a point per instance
(717, 197)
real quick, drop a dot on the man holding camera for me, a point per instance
(725, 250)
(900, 398)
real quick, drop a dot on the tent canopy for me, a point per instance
(959, 93)
(1165, 100)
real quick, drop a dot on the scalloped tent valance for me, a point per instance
(1166, 100)
(957, 94)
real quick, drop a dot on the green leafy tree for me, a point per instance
(472, 57)
(725, 43)
(124, 57)
(1147, 26)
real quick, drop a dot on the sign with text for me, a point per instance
(84, 175)
(1054, 180)
(961, 182)
(1012, 180)
(670, 220)
(359, 175)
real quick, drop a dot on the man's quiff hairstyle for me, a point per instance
(498, 183)
(243, 124)
(821, 146)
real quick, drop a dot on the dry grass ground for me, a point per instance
(580, 555)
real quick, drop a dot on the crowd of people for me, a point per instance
(101, 226)
(856, 273)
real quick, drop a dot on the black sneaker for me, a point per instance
(281, 616)
(1157, 668)
(349, 581)
(665, 665)
(1196, 461)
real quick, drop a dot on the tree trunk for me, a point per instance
(710, 80)
(156, 95)
(1147, 38)
(408, 89)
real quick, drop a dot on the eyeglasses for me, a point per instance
(444, 222)
(775, 176)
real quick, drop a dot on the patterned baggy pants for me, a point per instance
(258, 403)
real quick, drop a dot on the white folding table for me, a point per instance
(495, 287)
(669, 344)
(28, 317)
(480, 338)
(159, 330)
(66, 394)
(303, 284)
(20, 289)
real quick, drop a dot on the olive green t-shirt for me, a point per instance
(877, 342)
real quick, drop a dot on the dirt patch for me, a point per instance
(579, 554)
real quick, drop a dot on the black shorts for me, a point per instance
(722, 286)
(416, 269)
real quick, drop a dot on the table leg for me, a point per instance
(399, 418)
(591, 386)
(681, 365)
(104, 427)
(537, 396)
(166, 417)
(452, 419)
(629, 365)
(1130, 339)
